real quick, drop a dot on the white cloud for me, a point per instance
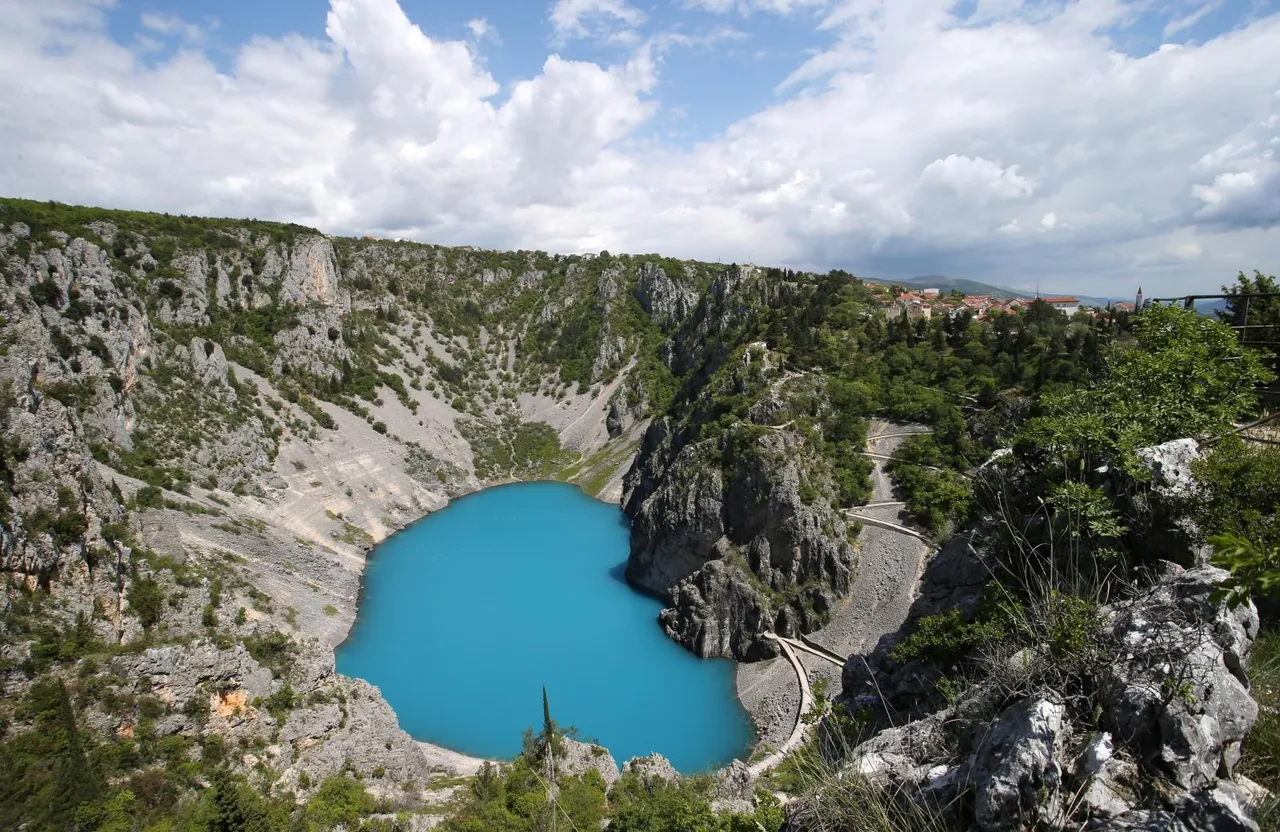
(170, 24)
(1178, 24)
(746, 7)
(481, 29)
(1189, 250)
(976, 178)
(915, 143)
(604, 19)
(705, 40)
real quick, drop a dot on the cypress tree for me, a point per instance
(548, 727)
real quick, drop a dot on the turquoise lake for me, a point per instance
(466, 614)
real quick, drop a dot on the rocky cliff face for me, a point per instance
(732, 517)
(736, 549)
(205, 424)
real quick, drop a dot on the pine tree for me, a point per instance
(74, 782)
(228, 813)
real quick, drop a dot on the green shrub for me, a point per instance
(146, 600)
(1255, 568)
(149, 496)
(273, 650)
(946, 637)
(339, 801)
(1238, 491)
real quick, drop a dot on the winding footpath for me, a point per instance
(806, 704)
(892, 558)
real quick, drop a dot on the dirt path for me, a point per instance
(806, 702)
(889, 567)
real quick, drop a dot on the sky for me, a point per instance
(1089, 146)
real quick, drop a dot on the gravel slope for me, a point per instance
(884, 586)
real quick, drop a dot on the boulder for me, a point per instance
(577, 758)
(655, 767)
(734, 789)
(1218, 809)
(1017, 772)
(1170, 466)
(1109, 784)
(1178, 695)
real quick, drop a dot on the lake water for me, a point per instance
(469, 612)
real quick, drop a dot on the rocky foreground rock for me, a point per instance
(1172, 706)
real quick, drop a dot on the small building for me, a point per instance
(930, 294)
(1064, 303)
(917, 310)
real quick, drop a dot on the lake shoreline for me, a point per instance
(445, 758)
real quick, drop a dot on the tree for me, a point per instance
(228, 813)
(1186, 376)
(548, 725)
(146, 599)
(339, 800)
(75, 783)
(1261, 315)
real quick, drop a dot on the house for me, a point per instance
(930, 294)
(917, 309)
(1122, 307)
(1064, 303)
(909, 304)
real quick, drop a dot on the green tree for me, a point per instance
(548, 725)
(1186, 376)
(228, 812)
(74, 782)
(146, 600)
(1261, 315)
(339, 800)
(1238, 491)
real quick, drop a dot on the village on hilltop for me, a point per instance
(923, 304)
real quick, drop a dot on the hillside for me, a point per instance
(208, 423)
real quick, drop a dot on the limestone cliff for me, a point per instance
(730, 498)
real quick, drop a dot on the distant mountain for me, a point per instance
(1209, 308)
(970, 287)
(945, 284)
